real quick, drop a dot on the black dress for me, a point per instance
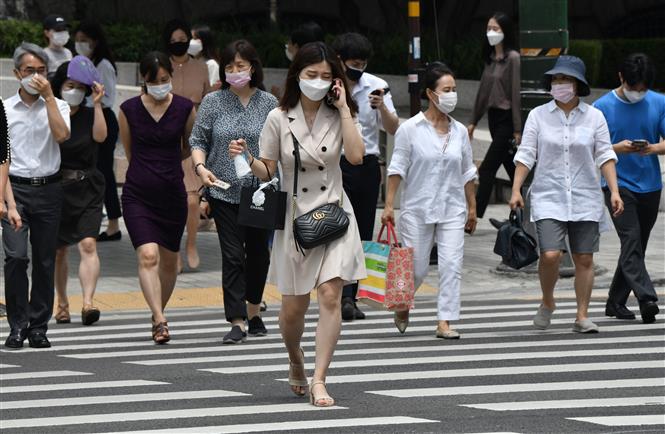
(84, 195)
(4, 135)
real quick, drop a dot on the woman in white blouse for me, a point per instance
(570, 141)
(433, 158)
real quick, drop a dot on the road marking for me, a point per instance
(446, 359)
(520, 387)
(114, 399)
(162, 415)
(628, 401)
(399, 350)
(5, 366)
(632, 420)
(480, 372)
(44, 374)
(80, 386)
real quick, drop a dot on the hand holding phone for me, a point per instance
(376, 97)
(639, 144)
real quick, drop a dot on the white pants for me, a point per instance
(450, 245)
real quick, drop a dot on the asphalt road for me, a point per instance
(502, 376)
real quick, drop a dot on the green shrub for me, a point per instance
(591, 52)
(615, 50)
(13, 32)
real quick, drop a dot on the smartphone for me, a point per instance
(378, 92)
(333, 94)
(221, 184)
(639, 144)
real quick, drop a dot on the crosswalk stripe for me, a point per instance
(624, 420)
(481, 372)
(290, 425)
(44, 374)
(162, 415)
(5, 366)
(114, 399)
(79, 386)
(446, 359)
(488, 389)
(400, 350)
(626, 401)
(166, 350)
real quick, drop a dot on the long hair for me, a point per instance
(310, 54)
(509, 37)
(207, 38)
(102, 51)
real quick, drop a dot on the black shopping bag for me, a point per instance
(517, 248)
(268, 212)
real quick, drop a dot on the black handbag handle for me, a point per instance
(516, 217)
(296, 153)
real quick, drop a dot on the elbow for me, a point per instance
(99, 138)
(356, 160)
(61, 137)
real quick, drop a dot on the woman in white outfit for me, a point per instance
(433, 158)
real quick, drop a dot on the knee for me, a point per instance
(583, 262)
(550, 257)
(148, 258)
(88, 246)
(329, 298)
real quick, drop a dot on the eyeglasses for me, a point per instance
(31, 71)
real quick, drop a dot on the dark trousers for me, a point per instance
(633, 227)
(362, 184)
(500, 152)
(245, 259)
(39, 207)
(105, 161)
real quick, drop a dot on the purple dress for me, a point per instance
(154, 200)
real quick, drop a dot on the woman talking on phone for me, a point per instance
(315, 119)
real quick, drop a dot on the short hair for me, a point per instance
(29, 48)
(310, 54)
(247, 51)
(352, 46)
(172, 26)
(59, 78)
(638, 68)
(433, 72)
(150, 64)
(306, 33)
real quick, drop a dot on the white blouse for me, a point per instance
(434, 169)
(569, 151)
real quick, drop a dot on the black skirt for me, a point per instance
(81, 209)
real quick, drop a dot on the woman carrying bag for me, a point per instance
(315, 120)
(433, 158)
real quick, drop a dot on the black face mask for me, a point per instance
(178, 48)
(353, 74)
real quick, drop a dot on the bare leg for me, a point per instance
(583, 282)
(193, 217)
(148, 257)
(548, 272)
(88, 269)
(167, 273)
(327, 330)
(253, 310)
(292, 326)
(61, 271)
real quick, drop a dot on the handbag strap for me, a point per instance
(392, 234)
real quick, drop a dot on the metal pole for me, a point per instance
(414, 55)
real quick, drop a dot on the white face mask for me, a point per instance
(447, 102)
(160, 91)
(25, 82)
(74, 97)
(195, 47)
(60, 38)
(634, 96)
(288, 53)
(83, 48)
(494, 37)
(315, 89)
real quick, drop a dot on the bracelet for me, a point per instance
(196, 168)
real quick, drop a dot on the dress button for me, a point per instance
(324, 149)
(320, 167)
(304, 190)
(323, 188)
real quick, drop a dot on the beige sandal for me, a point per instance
(62, 315)
(324, 401)
(295, 382)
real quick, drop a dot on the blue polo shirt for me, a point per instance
(643, 120)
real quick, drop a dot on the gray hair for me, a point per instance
(29, 48)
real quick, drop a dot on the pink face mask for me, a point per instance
(238, 79)
(563, 92)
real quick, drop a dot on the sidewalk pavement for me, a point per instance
(118, 287)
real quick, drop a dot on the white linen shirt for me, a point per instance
(433, 179)
(369, 118)
(35, 153)
(569, 151)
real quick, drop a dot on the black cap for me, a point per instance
(55, 22)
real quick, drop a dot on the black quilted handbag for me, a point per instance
(321, 225)
(515, 246)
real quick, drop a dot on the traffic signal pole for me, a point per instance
(414, 55)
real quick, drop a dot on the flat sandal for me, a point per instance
(295, 382)
(160, 333)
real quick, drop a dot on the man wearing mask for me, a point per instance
(636, 119)
(57, 33)
(375, 111)
(38, 123)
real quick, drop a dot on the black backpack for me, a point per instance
(517, 248)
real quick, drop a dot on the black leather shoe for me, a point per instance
(38, 340)
(648, 311)
(357, 313)
(106, 237)
(620, 311)
(15, 339)
(348, 309)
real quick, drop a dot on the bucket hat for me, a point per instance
(573, 67)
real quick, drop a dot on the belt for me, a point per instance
(40, 180)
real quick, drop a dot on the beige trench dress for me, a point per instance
(319, 183)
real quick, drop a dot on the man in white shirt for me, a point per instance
(38, 123)
(375, 110)
(56, 31)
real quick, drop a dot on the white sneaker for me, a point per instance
(543, 318)
(585, 326)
